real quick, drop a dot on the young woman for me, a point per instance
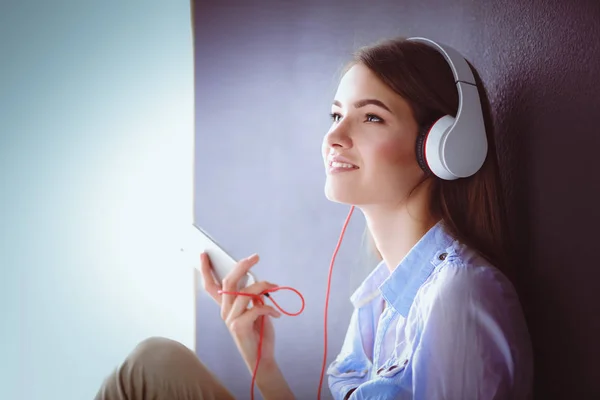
(438, 318)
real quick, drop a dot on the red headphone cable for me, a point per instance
(337, 247)
(257, 299)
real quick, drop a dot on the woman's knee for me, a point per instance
(157, 368)
(163, 353)
(162, 368)
(159, 344)
(168, 363)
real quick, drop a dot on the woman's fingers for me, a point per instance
(208, 281)
(240, 304)
(241, 324)
(231, 280)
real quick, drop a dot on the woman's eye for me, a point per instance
(373, 118)
(335, 117)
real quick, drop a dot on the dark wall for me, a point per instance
(265, 76)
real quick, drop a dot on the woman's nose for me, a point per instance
(338, 136)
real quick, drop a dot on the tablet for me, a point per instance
(197, 241)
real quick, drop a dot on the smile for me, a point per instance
(337, 167)
(335, 164)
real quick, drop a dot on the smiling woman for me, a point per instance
(418, 93)
(438, 317)
(441, 292)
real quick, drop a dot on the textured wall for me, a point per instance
(265, 77)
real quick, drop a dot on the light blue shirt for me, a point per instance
(445, 324)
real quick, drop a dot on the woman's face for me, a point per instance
(369, 151)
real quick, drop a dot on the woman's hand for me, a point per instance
(243, 323)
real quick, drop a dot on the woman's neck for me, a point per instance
(397, 228)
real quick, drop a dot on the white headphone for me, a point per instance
(455, 147)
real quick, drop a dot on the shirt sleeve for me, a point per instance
(350, 368)
(470, 342)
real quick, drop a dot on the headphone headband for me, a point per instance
(455, 147)
(460, 68)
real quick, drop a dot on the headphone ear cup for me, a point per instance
(435, 150)
(420, 149)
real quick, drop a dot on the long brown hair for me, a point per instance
(472, 208)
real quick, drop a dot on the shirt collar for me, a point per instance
(400, 287)
(369, 289)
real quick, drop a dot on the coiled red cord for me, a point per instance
(257, 299)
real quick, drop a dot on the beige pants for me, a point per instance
(162, 369)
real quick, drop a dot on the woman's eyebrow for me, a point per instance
(364, 102)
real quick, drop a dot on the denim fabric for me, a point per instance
(444, 324)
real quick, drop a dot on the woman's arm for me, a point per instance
(271, 382)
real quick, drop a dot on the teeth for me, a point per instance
(341, 165)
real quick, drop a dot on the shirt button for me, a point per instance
(442, 256)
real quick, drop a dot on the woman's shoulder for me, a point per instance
(466, 277)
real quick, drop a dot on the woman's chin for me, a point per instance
(340, 196)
